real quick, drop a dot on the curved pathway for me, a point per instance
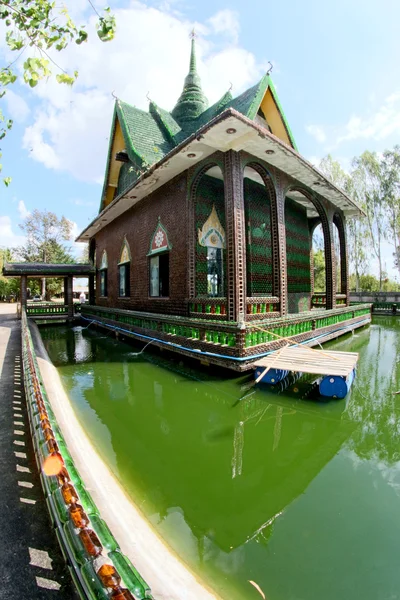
(31, 563)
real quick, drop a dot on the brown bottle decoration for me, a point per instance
(122, 594)
(91, 542)
(78, 516)
(109, 576)
(69, 493)
(45, 423)
(52, 446)
(48, 434)
(63, 476)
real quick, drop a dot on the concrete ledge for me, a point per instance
(168, 577)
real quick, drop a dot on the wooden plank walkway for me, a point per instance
(302, 359)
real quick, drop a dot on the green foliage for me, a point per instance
(390, 167)
(45, 235)
(8, 286)
(370, 283)
(41, 25)
(319, 271)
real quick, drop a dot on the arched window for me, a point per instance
(210, 245)
(159, 263)
(103, 274)
(258, 193)
(124, 271)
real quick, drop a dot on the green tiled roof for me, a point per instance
(149, 136)
(248, 102)
(145, 139)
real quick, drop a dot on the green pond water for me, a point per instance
(297, 495)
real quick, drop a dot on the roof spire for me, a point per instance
(192, 66)
(192, 102)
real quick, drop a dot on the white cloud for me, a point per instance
(17, 108)
(150, 54)
(77, 247)
(23, 211)
(8, 238)
(79, 202)
(226, 22)
(314, 160)
(377, 125)
(317, 132)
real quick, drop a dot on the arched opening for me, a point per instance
(210, 240)
(262, 281)
(318, 260)
(336, 246)
(341, 259)
(92, 278)
(124, 271)
(307, 251)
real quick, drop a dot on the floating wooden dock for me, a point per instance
(302, 359)
(336, 368)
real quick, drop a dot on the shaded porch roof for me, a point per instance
(230, 130)
(47, 270)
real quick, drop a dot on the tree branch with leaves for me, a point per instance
(40, 26)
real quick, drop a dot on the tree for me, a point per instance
(367, 186)
(45, 234)
(319, 271)
(358, 236)
(390, 173)
(8, 286)
(42, 26)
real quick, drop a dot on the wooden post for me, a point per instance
(70, 297)
(92, 295)
(23, 290)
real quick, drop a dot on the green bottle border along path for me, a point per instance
(102, 567)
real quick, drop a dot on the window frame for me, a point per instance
(157, 257)
(126, 266)
(103, 273)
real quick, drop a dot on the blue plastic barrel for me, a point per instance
(336, 386)
(272, 376)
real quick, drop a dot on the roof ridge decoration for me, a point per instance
(192, 102)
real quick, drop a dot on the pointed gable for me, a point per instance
(262, 100)
(140, 139)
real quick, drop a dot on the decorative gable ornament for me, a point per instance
(212, 234)
(159, 241)
(125, 253)
(104, 261)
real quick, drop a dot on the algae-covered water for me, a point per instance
(274, 487)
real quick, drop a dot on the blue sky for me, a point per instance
(335, 69)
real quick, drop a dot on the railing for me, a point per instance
(209, 308)
(50, 309)
(318, 300)
(196, 332)
(224, 337)
(96, 559)
(262, 307)
(46, 309)
(386, 307)
(300, 325)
